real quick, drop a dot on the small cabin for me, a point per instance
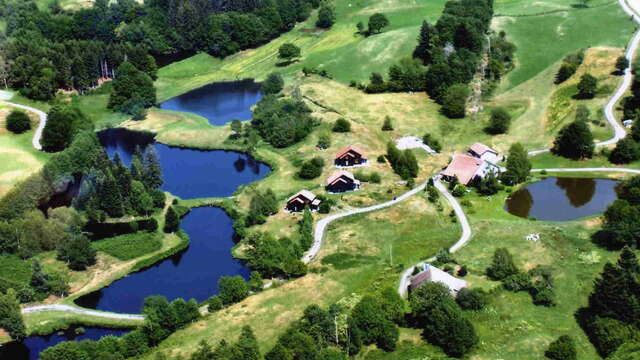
(432, 273)
(350, 156)
(342, 181)
(482, 151)
(301, 200)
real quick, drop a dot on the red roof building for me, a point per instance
(350, 156)
(465, 168)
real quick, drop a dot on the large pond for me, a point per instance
(218, 102)
(194, 272)
(562, 199)
(31, 347)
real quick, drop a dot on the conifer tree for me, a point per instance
(502, 265)
(247, 346)
(151, 170)
(171, 221)
(423, 50)
(10, 316)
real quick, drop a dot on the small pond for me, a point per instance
(562, 199)
(189, 173)
(31, 347)
(192, 273)
(218, 102)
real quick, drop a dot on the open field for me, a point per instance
(340, 51)
(18, 157)
(412, 231)
(130, 246)
(543, 40)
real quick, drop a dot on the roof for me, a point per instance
(432, 273)
(353, 149)
(480, 149)
(340, 174)
(464, 167)
(308, 195)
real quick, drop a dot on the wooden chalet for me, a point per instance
(302, 199)
(342, 181)
(350, 156)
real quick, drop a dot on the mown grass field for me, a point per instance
(18, 157)
(340, 51)
(365, 252)
(130, 246)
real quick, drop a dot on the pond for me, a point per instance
(218, 102)
(194, 272)
(31, 347)
(562, 199)
(189, 173)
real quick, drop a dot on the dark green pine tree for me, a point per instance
(247, 346)
(151, 170)
(411, 163)
(502, 265)
(136, 165)
(171, 221)
(10, 316)
(423, 50)
(518, 165)
(123, 177)
(109, 194)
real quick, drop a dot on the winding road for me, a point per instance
(43, 121)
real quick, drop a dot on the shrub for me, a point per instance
(18, 122)
(432, 142)
(471, 299)
(587, 86)
(375, 178)
(562, 349)
(171, 221)
(288, 51)
(499, 121)
(459, 190)
(387, 125)
(214, 304)
(502, 265)
(326, 16)
(381, 159)
(341, 125)
(626, 151)
(273, 84)
(324, 140)
(455, 101)
(311, 169)
(622, 63)
(565, 72)
(517, 282)
(232, 289)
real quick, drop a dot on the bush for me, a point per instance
(273, 84)
(214, 304)
(341, 125)
(171, 221)
(565, 72)
(311, 169)
(282, 122)
(587, 86)
(18, 122)
(432, 142)
(499, 121)
(459, 190)
(326, 16)
(455, 101)
(381, 159)
(622, 63)
(626, 151)
(375, 178)
(562, 349)
(471, 299)
(517, 282)
(232, 289)
(387, 125)
(502, 265)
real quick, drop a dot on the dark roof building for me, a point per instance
(342, 181)
(350, 156)
(302, 199)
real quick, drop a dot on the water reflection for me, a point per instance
(562, 199)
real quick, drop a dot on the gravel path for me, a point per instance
(78, 310)
(464, 238)
(43, 121)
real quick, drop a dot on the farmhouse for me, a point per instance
(432, 273)
(350, 156)
(485, 153)
(467, 168)
(302, 199)
(342, 181)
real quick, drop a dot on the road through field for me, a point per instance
(43, 121)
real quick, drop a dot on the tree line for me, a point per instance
(50, 50)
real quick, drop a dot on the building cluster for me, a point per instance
(340, 181)
(478, 162)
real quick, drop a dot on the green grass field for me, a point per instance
(544, 40)
(130, 246)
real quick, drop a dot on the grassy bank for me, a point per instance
(48, 322)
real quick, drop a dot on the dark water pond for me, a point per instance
(189, 173)
(562, 199)
(218, 102)
(31, 347)
(192, 273)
